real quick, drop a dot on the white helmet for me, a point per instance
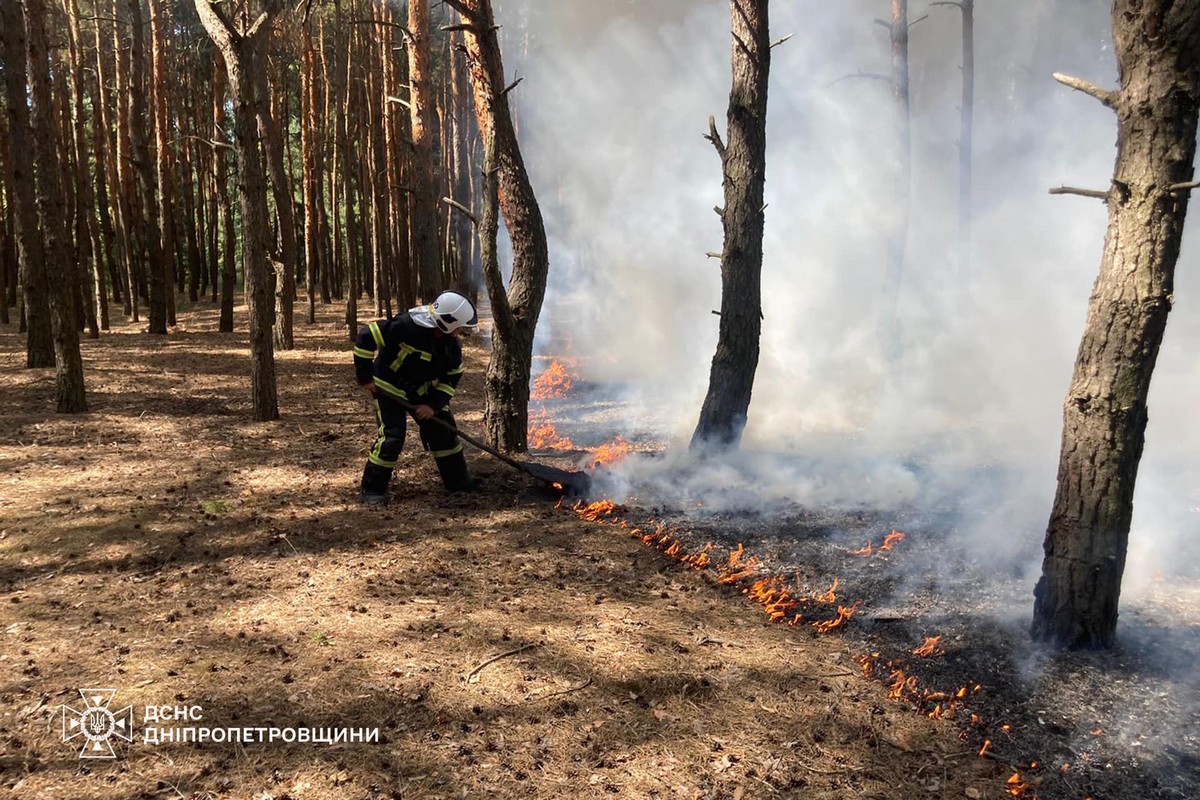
(451, 311)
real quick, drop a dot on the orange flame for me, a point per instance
(830, 596)
(594, 512)
(929, 648)
(612, 451)
(543, 436)
(891, 540)
(1015, 786)
(843, 614)
(737, 568)
(554, 382)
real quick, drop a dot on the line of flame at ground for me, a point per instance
(784, 603)
(781, 601)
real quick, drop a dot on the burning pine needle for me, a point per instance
(543, 435)
(930, 648)
(891, 540)
(609, 452)
(554, 382)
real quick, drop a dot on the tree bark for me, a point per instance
(245, 59)
(152, 232)
(1157, 44)
(39, 341)
(109, 192)
(281, 188)
(423, 206)
(966, 137)
(309, 155)
(129, 226)
(70, 395)
(378, 129)
(164, 158)
(345, 187)
(221, 193)
(8, 238)
(515, 311)
(743, 167)
(87, 236)
(890, 335)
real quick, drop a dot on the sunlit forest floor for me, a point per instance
(167, 547)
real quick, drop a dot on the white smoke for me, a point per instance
(612, 110)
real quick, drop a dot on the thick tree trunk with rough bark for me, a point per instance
(1157, 45)
(39, 342)
(515, 312)
(245, 57)
(52, 213)
(743, 166)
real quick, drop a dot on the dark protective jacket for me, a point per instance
(419, 365)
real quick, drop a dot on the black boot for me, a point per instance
(456, 477)
(375, 481)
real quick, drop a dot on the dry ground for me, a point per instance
(166, 546)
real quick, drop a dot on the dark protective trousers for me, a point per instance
(447, 451)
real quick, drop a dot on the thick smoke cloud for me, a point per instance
(615, 100)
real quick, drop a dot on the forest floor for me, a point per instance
(168, 548)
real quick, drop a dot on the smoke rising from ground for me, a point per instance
(612, 110)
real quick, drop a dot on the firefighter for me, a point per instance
(415, 357)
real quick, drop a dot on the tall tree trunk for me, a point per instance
(164, 160)
(331, 272)
(515, 312)
(890, 340)
(64, 148)
(1157, 45)
(108, 184)
(281, 188)
(423, 212)
(8, 237)
(86, 236)
(466, 276)
(221, 193)
(744, 170)
(190, 210)
(39, 341)
(152, 234)
(130, 223)
(245, 58)
(309, 155)
(346, 168)
(70, 395)
(397, 139)
(377, 179)
(966, 139)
